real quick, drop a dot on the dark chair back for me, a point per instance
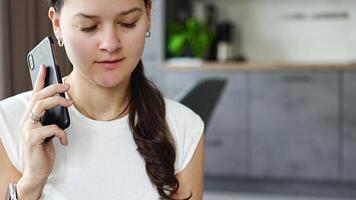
(203, 97)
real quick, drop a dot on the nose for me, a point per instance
(110, 40)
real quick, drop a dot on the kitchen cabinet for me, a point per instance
(348, 142)
(226, 147)
(294, 124)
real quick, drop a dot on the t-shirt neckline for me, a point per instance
(97, 124)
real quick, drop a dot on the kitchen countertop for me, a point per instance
(210, 66)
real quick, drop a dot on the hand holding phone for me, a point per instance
(43, 53)
(49, 103)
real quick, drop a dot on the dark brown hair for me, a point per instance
(149, 128)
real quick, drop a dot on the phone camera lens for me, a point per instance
(31, 62)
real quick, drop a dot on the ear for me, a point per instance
(55, 19)
(149, 13)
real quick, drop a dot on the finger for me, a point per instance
(26, 118)
(42, 105)
(51, 91)
(38, 111)
(40, 80)
(44, 93)
(39, 135)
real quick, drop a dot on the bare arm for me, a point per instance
(8, 173)
(38, 155)
(191, 178)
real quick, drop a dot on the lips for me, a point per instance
(111, 63)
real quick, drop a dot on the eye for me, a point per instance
(129, 25)
(88, 29)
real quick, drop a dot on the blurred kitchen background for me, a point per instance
(274, 81)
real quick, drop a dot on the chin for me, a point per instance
(111, 82)
(111, 79)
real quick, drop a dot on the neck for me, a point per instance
(96, 102)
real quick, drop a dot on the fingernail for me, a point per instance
(41, 70)
(66, 86)
(69, 101)
(42, 67)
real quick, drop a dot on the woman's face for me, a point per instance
(104, 39)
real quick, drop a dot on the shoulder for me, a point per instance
(180, 115)
(186, 128)
(176, 108)
(15, 105)
(11, 111)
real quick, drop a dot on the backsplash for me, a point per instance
(292, 31)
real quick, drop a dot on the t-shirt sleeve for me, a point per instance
(188, 144)
(11, 111)
(10, 139)
(187, 128)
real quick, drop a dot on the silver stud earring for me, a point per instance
(60, 42)
(148, 34)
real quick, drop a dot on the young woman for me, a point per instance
(125, 140)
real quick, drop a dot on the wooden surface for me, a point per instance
(208, 66)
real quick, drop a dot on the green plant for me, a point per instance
(189, 37)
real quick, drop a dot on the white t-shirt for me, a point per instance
(101, 160)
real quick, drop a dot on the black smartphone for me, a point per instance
(43, 53)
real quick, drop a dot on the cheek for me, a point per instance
(78, 48)
(134, 44)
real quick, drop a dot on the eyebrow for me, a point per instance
(123, 13)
